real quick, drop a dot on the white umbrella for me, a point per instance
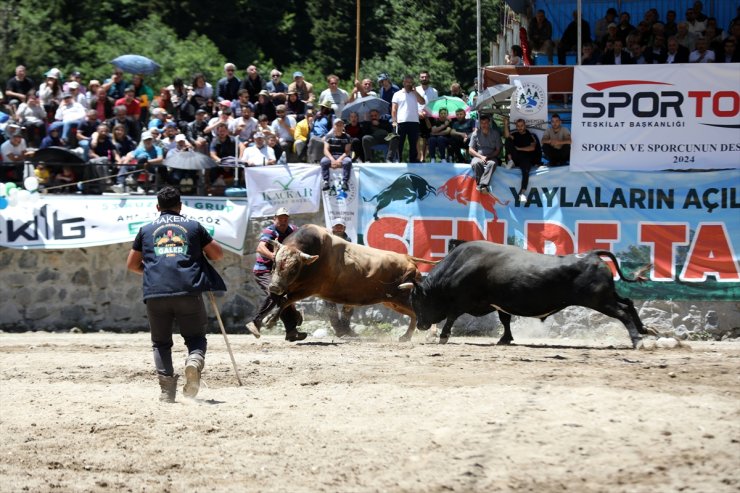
(494, 96)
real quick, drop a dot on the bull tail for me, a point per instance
(639, 275)
(418, 260)
(371, 198)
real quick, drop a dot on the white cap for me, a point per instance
(338, 222)
(180, 138)
(282, 212)
(146, 135)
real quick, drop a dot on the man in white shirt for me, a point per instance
(71, 113)
(334, 94)
(283, 127)
(244, 128)
(405, 116)
(429, 93)
(260, 154)
(701, 54)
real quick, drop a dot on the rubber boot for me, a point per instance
(168, 384)
(193, 366)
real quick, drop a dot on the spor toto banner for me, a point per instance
(656, 117)
(59, 221)
(686, 225)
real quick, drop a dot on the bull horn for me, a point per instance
(308, 259)
(407, 286)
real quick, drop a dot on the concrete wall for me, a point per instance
(91, 289)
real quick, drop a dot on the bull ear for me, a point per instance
(308, 259)
(407, 286)
(275, 245)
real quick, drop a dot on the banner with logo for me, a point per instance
(341, 204)
(686, 225)
(656, 117)
(59, 221)
(295, 186)
(529, 102)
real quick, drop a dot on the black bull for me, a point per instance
(480, 277)
(408, 187)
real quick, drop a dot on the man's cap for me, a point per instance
(485, 116)
(170, 125)
(66, 95)
(259, 135)
(264, 92)
(611, 24)
(130, 89)
(74, 85)
(146, 136)
(326, 104)
(158, 111)
(200, 111)
(297, 74)
(282, 212)
(383, 77)
(76, 73)
(338, 222)
(225, 103)
(180, 137)
(54, 73)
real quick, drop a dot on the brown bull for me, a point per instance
(313, 262)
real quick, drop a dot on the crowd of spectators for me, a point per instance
(615, 40)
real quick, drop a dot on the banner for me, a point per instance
(59, 221)
(529, 102)
(656, 117)
(340, 204)
(686, 225)
(295, 186)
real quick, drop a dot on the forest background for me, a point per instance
(316, 37)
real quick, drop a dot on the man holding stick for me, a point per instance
(172, 253)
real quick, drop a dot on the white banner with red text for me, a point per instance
(656, 117)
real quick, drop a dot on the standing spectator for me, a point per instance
(115, 85)
(376, 131)
(303, 88)
(277, 89)
(279, 230)
(405, 116)
(334, 94)
(702, 53)
(228, 86)
(260, 154)
(252, 83)
(32, 116)
(429, 93)
(600, 29)
(387, 88)
(456, 91)
(337, 154)
(283, 127)
(624, 28)
(670, 26)
(695, 26)
(339, 319)
(18, 87)
(485, 148)
(521, 147)
(569, 39)
(556, 142)
(172, 253)
(540, 35)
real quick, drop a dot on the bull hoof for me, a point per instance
(504, 342)
(638, 344)
(404, 338)
(443, 339)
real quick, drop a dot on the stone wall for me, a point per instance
(90, 288)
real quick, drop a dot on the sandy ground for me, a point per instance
(79, 412)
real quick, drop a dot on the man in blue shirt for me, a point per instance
(172, 253)
(291, 318)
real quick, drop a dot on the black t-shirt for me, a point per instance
(19, 86)
(337, 144)
(223, 149)
(172, 251)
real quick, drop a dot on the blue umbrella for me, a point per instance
(363, 106)
(136, 64)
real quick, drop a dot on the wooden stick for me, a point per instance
(223, 331)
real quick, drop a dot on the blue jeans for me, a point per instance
(69, 126)
(346, 168)
(438, 142)
(410, 131)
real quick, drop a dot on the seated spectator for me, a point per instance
(459, 138)
(539, 35)
(71, 114)
(438, 137)
(685, 38)
(259, 154)
(277, 89)
(729, 52)
(85, 131)
(53, 137)
(169, 138)
(657, 53)
(617, 56)
(32, 116)
(196, 134)
(115, 85)
(301, 136)
(337, 152)
(223, 146)
(283, 127)
(295, 106)
(102, 150)
(485, 149)
(589, 55)
(65, 177)
(224, 116)
(556, 142)
(521, 147)
(125, 147)
(378, 131)
(302, 88)
(353, 128)
(515, 56)
(77, 96)
(714, 41)
(264, 125)
(670, 26)
(244, 128)
(264, 106)
(569, 39)
(702, 53)
(133, 129)
(602, 25)
(50, 92)
(164, 101)
(18, 87)
(281, 156)
(695, 26)
(252, 83)
(610, 36)
(636, 55)
(228, 86)
(14, 149)
(159, 119)
(102, 104)
(676, 53)
(43, 175)
(242, 100)
(322, 125)
(151, 156)
(362, 90)
(624, 28)
(202, 91)
(334, 94)
(145, 95)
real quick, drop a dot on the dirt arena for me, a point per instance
(80, 413)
